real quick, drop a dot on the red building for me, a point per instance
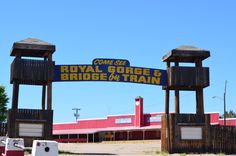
(138, 126)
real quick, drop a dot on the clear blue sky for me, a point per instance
(140, 31)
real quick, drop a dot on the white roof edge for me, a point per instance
(214, 123)
(211, 112)
(78, 121)
(121, 115)
(64, 123)
(159, 113)
(92, 119)
(229, 119)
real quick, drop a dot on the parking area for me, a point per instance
(111, 148)
(124, 148)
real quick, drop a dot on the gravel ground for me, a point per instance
(116, 148)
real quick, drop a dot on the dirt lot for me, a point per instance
(114, 148)
(117, 148)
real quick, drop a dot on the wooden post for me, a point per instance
(93, 137)
(199, 94)
(176, 95)
(177, 101)
(49, 89)
(44, 93)
(143, 134)
(43, 96)
(87, 138)
(49, 96)
(199, 100)
(167, 101)
(15, 95)
(127, 135)
(167, 110)
(167, 94)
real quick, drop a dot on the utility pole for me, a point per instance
(224, 100)
(225, 103)
(76, 114)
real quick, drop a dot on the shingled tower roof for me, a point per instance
(186, 53)
(32, 47)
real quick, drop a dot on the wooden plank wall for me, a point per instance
(188, 120)
(177, 145)
(215, 138)
(223, 139)
(164, 141)
(188, 77)
(3, 129)
(17, 116)
(35, 72)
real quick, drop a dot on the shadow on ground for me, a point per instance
(71, 153)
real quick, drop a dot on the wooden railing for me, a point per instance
(35, 72)
(31, 114)
(188, 78)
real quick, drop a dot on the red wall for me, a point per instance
(229, 122)
(107, 122)
(139, 121)
(214, 118)
(83, 124)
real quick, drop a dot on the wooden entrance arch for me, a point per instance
(180, 132)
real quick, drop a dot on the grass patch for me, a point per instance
(27, 151)
(183, 154)
(163, 153)
(220, 154)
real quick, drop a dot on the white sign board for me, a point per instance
(31, 130)
(14, 144)
(191, 133)
(45, 148)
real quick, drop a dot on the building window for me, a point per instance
(156, 118)
(123, 120)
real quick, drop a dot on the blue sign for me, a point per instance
(115, 70)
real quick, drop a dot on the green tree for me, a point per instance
(230, 114)
(3, 104)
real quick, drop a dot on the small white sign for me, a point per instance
(14, 144)
(45, 148)
(31, 130)
(123, 120)
(191, 133)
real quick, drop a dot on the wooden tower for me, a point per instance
(31, 124)
(186, 132)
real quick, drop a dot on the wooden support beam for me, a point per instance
(167, 100)
(49, 89)
(177, 95)
(49, 96)
(199, 94)
(177, 101)
(44, 92)
(200, 101)
(143, 134)
(43, 97)
(128, 135)
(15, 95)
